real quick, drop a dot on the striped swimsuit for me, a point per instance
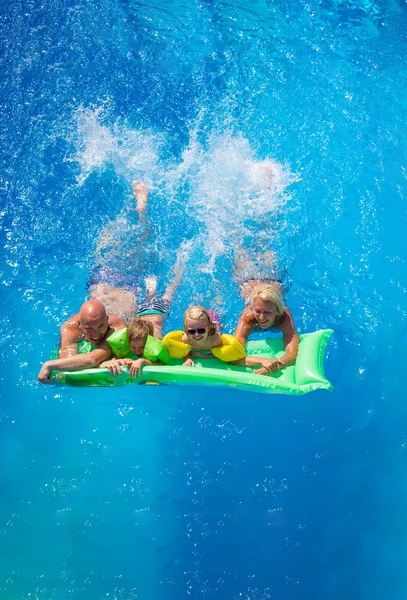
(153, 307)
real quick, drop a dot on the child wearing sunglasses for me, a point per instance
(201, 333)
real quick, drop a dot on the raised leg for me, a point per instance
(249, 272)
(183, 254)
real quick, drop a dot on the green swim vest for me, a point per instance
(154, 350)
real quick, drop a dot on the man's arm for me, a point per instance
(69, 333)
(75, 363)
(244, 326)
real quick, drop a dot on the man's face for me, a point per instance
(137, 345)
(94, 328)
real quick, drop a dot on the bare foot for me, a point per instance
(151, 286)
(243, 263)
(247, 287)
(242, 259)
(141, 195)
(183, 254)
(268, 258)
(263, 174)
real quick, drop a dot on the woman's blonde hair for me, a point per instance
(196, 313)
(140, 328)
(269, 293)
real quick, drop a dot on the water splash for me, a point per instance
(231, 194)
(220, 185)
(133, 153)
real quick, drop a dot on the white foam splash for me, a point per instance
(134, 154)
(228, 188)
(220, 181)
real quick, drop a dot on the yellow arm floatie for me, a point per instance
(176, 348)
(231, 349)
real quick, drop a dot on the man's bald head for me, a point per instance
(92, 309)
(93, 321)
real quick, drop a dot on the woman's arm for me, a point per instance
(267, 365)
(244, 326)
(291, 339)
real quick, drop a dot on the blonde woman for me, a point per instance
(267, 312)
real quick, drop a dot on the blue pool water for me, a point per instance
(183, 493)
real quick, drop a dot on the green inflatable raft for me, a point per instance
(305, 376)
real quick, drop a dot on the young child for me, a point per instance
(137, 332)
(201, 333)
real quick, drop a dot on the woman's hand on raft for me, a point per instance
(272, 365)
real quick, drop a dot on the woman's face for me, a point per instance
(265, 313)
(197, 329)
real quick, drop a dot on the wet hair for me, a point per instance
(140, 328)
(198, 313)
(269, 293)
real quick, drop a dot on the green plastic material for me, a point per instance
(119, 343)
(303, 377)
(154, 349)
(83, 348)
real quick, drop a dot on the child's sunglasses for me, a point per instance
(200, 331)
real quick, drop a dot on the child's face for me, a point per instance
(137, 345)
(197, 330)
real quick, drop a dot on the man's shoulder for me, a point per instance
(71, 324)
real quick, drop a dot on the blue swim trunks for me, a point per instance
(153, 307)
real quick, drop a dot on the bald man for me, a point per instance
(92, 323)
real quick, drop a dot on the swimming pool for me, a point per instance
(140, 493)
